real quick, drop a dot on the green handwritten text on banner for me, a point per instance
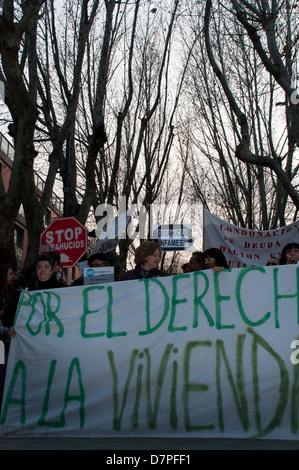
(203, 354)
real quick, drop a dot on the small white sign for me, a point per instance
(98, 275)
(174, 237)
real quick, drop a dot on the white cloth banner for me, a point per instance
(244, 247)
(114, 230)
(194, 355)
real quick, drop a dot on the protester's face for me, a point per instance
(152, 261)
(9, 277)
(292, 256)
(194, 265)
(44, 270)
(209, 262)
(187, 268)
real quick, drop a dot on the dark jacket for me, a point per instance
(139, 273)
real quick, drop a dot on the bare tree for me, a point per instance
(102, 113)
(264, 25)
(30, 101)
(235, 100)
(18, 26)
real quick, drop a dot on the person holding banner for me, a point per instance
(196, 262)
(44, 279)
(290, 254)
(147, 259)
(213, 258)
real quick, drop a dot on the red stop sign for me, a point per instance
(67, 237)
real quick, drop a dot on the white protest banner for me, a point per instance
(201, 354)
(244, 247)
